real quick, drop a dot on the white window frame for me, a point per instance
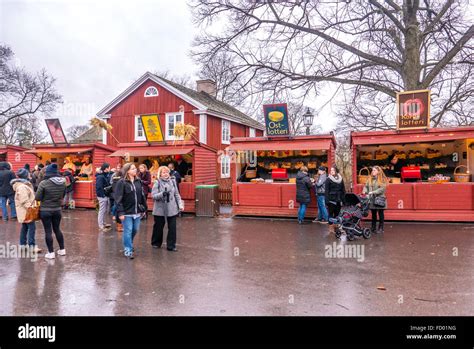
(167, 118)
(225, 131)
(151, 88)
(137, 135)
(203, 128)
(225, 166)
(252, 132)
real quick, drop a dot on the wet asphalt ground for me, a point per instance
(241, 266)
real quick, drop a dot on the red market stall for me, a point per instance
(200, 159)
(434, 181)
(17, 157)
(277, 160)
(79, 154)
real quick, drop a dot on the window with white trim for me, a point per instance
(225, 166)
(151, 91)
(251, 132)
(139, 132)
(225, 132)
(171, 120)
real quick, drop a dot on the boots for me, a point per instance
(373, 229)
(119, 227)
(380, 228)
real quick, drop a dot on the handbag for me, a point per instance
(380, 201)
(32, 213)
(108, 190)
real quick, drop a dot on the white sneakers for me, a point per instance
(52, 254)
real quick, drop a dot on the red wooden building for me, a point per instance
(16, 156)
(437, 151)
(266, 196)
(98, 153)
(216, 122)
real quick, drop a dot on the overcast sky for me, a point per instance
(97, 48)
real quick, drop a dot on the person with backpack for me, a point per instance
(103, 190)
(68, 197)
(167, 204)
(131, 206)
(24, 199)
(50, 194)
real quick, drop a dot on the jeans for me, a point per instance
(51, 222)
(322, 210)
(302, 212)
(103, 209)
(3, 203)
(157, 237)
(130, 229)
(28, 230)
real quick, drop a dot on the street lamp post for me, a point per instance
(308, 118)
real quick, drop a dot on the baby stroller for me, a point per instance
(348, 221)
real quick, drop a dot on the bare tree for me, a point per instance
(24, 94)
(371, 48)
(23, 131)
(76, 130)
(184, 79)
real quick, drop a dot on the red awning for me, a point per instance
(153, 151)
(315, 144)
(408, 138)
(59, 150)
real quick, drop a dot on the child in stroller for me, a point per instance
(348, 221)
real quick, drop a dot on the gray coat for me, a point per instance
(321, 184)
(378, 190)
(161, 206)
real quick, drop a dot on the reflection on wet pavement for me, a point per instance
(241, 266)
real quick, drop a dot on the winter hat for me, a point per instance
(51, 170)
(322, 168)
(22, 173)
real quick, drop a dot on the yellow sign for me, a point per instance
(152, 128)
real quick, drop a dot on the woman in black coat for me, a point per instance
(334, 195)
(131, 205)
(303, 192)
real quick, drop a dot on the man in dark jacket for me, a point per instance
(6, 191)
(102, 181)
(303, 192)
(320, 190)
(183, 166)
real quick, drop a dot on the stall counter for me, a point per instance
(429, 201)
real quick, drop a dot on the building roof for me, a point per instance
(205, 103)
(92, 135)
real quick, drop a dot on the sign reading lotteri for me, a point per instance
(413, 109)
(276, 119)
